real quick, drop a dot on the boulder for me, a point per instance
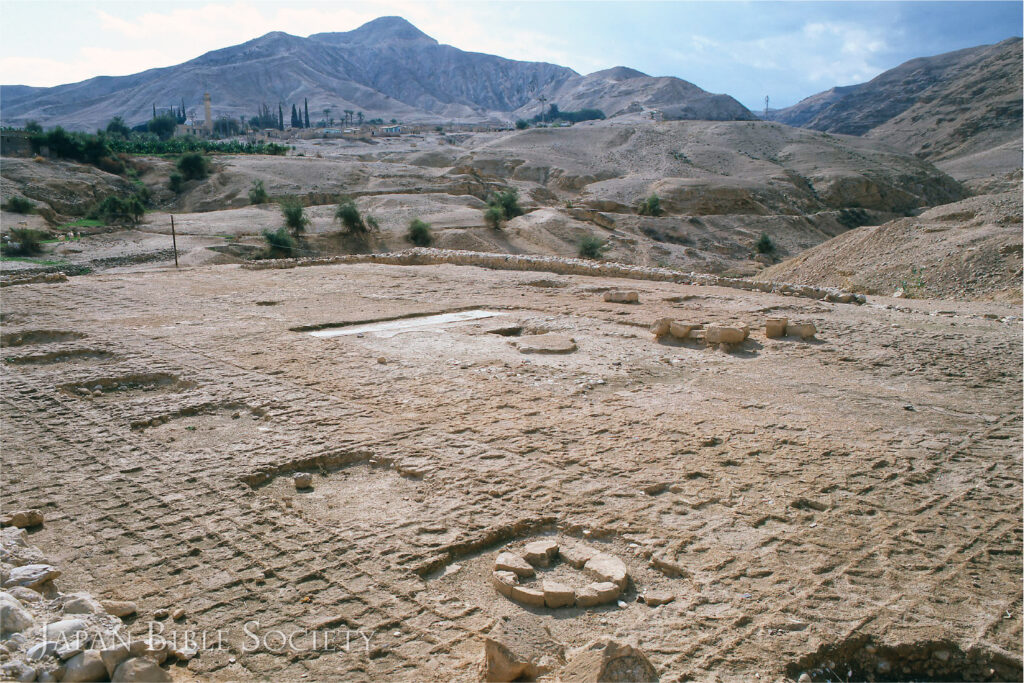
(13, 617)
(656, 598)
(510, 562)
(303, 480)
(607, 659)
(520, 648)
(22, 519)
(31, 575)
(82, 603)
(120, 608)
(65, 631)
(622, 296)
(86, 666)
(720, 334)
(114, 657)
(140, 669)
(775, 328)
(605, 567)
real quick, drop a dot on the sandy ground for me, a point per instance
(866, 484)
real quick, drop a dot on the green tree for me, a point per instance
(507, 202)
(258, 193)
(193, 166)
(493, 217)
(162, 126)
(117, 126)
(33, 127)
(176, 182)
(348, 213)
(18, 204)
(764, 244)
(522, 124)
(279, 243)
(24, 242)
(419, 233)
(294, 216)
(305, 106)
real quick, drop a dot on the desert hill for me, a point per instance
(961, 110)
(969, 249)
(386, 68)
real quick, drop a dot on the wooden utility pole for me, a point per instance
(174, 241)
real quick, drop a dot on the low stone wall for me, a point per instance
(565, 266)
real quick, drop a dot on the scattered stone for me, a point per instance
(510, 562)
(114, 657)
(86, 666)
(597, 594)
(64, 630)
(303, 480)
(178, 614)
(655, 598)
(13, 617)
(545, 343)
(504, 582)
(804, 678)
(31, 575)
(140, 669)
(801, 330)
(156, 649)
(161, 613)
(661, 327)
(82, 603)
(528, 596)
(519, 648)
(719, 334)
(120, 608)
(558, 594)
(17, 671)
(682, 330)
(382, 360)
(184, 654)
(25, 595)
(607, 659)
(668, 567)
(607, 568)
(622, 296)
(775, 328)
(540, 553)
(43, 649)
(576, 554)
(22, 519)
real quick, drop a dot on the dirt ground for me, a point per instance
(847, 503)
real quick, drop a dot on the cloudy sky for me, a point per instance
(786, 50)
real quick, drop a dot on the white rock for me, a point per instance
(31, 575)
(13, 617)
(64, 630)
(86, 666)
(43, 649)
(82, 603)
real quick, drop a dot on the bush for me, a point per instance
(33, 127)
(29, 242)
(493, 216)
(507, 202)
(650, 206)
(114, 209)
(162, 126)
(193, 166)
(592, 246)
(176, 183)
(764, 244)
(257, 193)
(117, 126)
(19, 205)
(419, 233)
(279, 243)
(348, 213)
(522, 124)
(294, 219)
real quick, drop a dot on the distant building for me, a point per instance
(389, 130)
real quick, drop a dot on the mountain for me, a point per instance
(386, 68)
(962, 108)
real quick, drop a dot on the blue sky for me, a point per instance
(786, 50)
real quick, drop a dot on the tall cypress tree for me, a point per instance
(305, 104)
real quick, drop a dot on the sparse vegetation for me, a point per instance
(258, 193)
(853, 218)
(162, 126)
(280, 243)
(592, 246)
(193, 166)
(18, 204)
(764, 244)
(117, 210)
(24, 242)
(522, 124)
(419, 233)
(176, 182)
(493, 217)
(650, 206)
(913, 284)
(502, 206)
(348, 213)
(294, 216)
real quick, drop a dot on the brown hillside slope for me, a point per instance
(968, 250)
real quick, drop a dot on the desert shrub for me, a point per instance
(650, 206)
(764, 244)
(507, 202)
(193, 166)
(176, 182)
(493, 216)
(853, 218)
(592, 246)
(371, 223)
(19, 205)
(522, 124)
(348, 213)
(117, 126)
(258, 193)
(114, 209)
(419, 233)
(294, 217)
(279, 242)
(29, 242)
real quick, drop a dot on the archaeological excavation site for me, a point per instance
(673, 393)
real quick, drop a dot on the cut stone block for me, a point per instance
(540, 553)
(558, 594)
(608, 568)
(510, 562)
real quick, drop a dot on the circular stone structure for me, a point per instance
(609, 573)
